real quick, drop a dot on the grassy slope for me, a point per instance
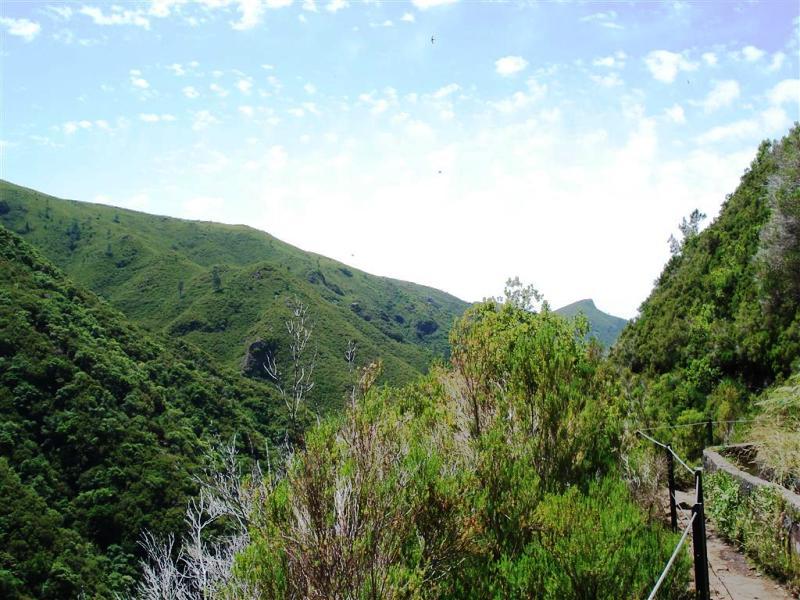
(605, 327)
(137, 261)
(101, 424)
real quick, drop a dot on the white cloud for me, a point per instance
(177, 69)
(509, 65)
(137, 80)
(752, 54)
(23, 28)
(202, 119)
(771, 121)
(206, 208)
(62, 12)
(218, 90)
(310, 88)
(710, 59)
(245, 85)
(247, 111)
(520, 100)
(446, 90)
(155, 118)
(311, 107)
(777, 62)
(252, 11)
(665, 65)
(787, 91)
(609, 81)
(379, 105)
(277, 158)
(426, 4)
(71, 127)
(117, 16)
(296, 112)
(408, 17)
(676, 114)
(721, 95)
(190, 92)
(310, 5)
(336, 5)
(163, 8)
(613, 61)
(603, 19)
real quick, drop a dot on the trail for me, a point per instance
(731, 575)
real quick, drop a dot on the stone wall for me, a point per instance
(714, 461)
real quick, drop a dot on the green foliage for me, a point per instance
(101, 425)
(235, 283)
(755, 519)
(725, 308)
(776, 434)
(493, 479)
(602, 326)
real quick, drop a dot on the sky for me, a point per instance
(561, 142)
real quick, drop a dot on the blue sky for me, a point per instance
(559, 141)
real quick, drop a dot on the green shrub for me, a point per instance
(756, 521)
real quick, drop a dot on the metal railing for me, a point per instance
(697, 524)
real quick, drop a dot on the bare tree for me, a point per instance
(689, 229)
(295, 391)
(202, 567)
(350, 357)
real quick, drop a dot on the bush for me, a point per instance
(756, 521)
(491, 480)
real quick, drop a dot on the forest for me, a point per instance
(444, 451)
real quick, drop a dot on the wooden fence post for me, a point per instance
(673, 510)
(700, 551)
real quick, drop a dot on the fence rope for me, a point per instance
(678, 458)
(694, 424)
(671, 559)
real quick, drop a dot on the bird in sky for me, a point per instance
(433, 39)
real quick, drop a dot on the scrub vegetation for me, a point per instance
(192, 410)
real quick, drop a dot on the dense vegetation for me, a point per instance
(509, 471)
(723, 320)
(490, 478)
(602, 326)
(756, 520)
(101, 426)
(225, 288)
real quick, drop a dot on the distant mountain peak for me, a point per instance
(605, 327)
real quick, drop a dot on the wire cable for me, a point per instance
(671, 559)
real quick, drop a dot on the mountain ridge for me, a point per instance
(603, 326)
(225, 288)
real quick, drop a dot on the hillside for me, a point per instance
(603, 326)
(226, 288)
(723, 320)
(101, 424)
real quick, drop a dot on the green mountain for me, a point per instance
(225, 288)
(101, 425)
(723, 320)
(603, 326)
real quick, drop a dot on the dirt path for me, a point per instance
(732, 576)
